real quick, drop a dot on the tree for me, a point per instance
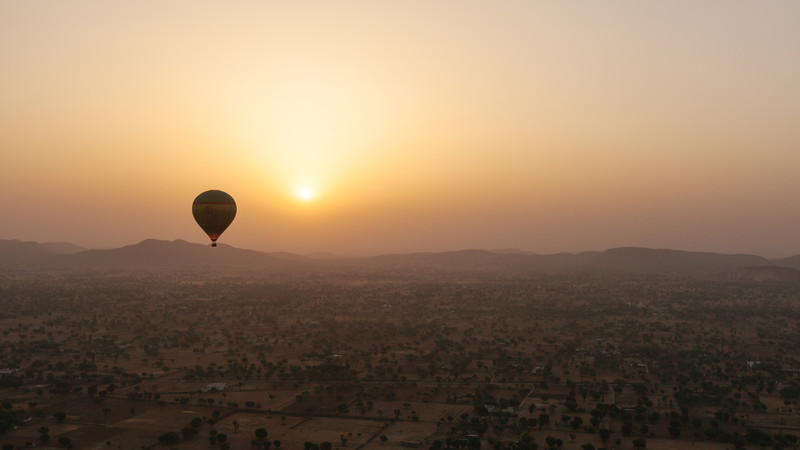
(383, 439)
(626, 428)
(64, 441)
(605, 435)
(544, 419)
(60, 416)
(553, 442)
(169, 438)
(757, 436)
(261, 433)
(640, 444)
(571, 403)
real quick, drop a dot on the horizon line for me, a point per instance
(508, 250)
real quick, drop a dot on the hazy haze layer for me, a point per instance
(417, 126)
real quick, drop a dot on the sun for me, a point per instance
(305, 193)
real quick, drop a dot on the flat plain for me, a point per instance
(381, 354)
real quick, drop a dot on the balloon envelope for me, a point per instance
(214, 210)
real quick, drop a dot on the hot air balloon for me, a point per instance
(214, 210)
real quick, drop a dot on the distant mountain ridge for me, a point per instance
(63, 247)
(634, 258)
(177, 253)
(16, 251)
(792, 261)
(182, 254)
(150, 253)
(623, 258)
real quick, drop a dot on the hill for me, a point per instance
(152, 253)
(180, 254)
(15, 252)
(793, 262)
(64, 248)
(660, 260)
(632, 259)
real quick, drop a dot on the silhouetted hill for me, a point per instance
(177, 254)
(63, 248)
(792, 261)
(625, 258)
(647, 259)
(181, 254)
(15, 251)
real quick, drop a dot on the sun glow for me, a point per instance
(305, 193)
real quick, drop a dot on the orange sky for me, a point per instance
(544, 126)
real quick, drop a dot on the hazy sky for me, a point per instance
(417, 125)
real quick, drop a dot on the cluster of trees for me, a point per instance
(667, 348)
